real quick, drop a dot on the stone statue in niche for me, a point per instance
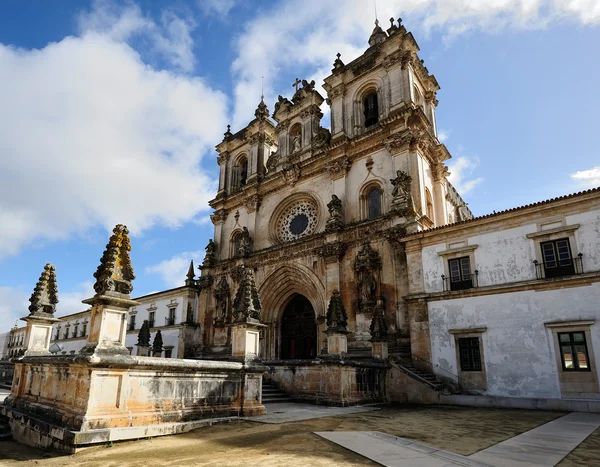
(210, 257)
(368, 288)
(296, 143)
(244, 248)
(222, 296)
(335, 223)
(401, 197)
(366, 266)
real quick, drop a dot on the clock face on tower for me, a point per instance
(298, 220)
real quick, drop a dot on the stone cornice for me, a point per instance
(588, 200)
(537, 285)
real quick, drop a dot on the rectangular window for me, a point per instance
(168, 353)
(131, 322)
(74, 332)
(83, 329)
(171, 318)
(460, 273)
(557, 259)
(470, 354)
(573, 351)
(151, 319)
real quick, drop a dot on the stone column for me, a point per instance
(108, 322)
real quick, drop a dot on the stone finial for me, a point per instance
(338, 64)
(190, 281)
(262, 112)
(115, 273)
(157, 343)
(144, 335)
(379, 329)
(45, 294)
(337, 319)
(378, 35)
(246, 304)
(228, 133)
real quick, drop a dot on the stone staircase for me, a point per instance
(425, 377)
(271, 393)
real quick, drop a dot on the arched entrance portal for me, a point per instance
(298, 330)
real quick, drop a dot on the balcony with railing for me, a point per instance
(562, 267)
(170, 321)
(460, 282)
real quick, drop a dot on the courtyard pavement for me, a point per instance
(544, 446)
(284, 412)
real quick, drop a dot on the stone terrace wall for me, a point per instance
(338, 383)
(71, 401)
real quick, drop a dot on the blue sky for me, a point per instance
(111, 111)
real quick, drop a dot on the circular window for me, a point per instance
(298, 220)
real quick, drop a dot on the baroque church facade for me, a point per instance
(314, 212)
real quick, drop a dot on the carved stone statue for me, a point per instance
(368, 288)
(296, 143)
(401, 197)
(222, 297)
(335, 222)
(244, 248)
(367, 265)
(210, 257)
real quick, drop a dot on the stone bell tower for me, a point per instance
(315, 214)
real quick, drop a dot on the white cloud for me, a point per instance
(124, 23)
(443, 135)
(90, 135)
(460, 172)
(173, 271)
(588, 178)
(70, 302)
(216, 7)
(309, 35)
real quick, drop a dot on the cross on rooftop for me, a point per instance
(296, 83)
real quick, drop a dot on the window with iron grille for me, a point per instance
(573, 351)
(557, 258)
(151, 319)
(460, 273)
(470, 354)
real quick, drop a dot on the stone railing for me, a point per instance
(66, 402)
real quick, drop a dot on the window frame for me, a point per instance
(574, 357)
(364, 102)
(474, 364)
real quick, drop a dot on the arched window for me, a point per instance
(429, 201)
(236, 238)
(371, 108)
(240, 174)
(295, 138)
(374, 203)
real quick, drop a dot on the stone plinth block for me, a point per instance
(108, 325)
(245, 340)
(38, 334)
(379, 350)
(337, 343)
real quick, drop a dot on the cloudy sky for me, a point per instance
(110, 111)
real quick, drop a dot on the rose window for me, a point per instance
(298, 220)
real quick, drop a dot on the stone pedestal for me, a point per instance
(142, 351)
(108, 325)
(379, 350)
(156, 353)
(337, 343)
(38, 334)
(245, 340)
